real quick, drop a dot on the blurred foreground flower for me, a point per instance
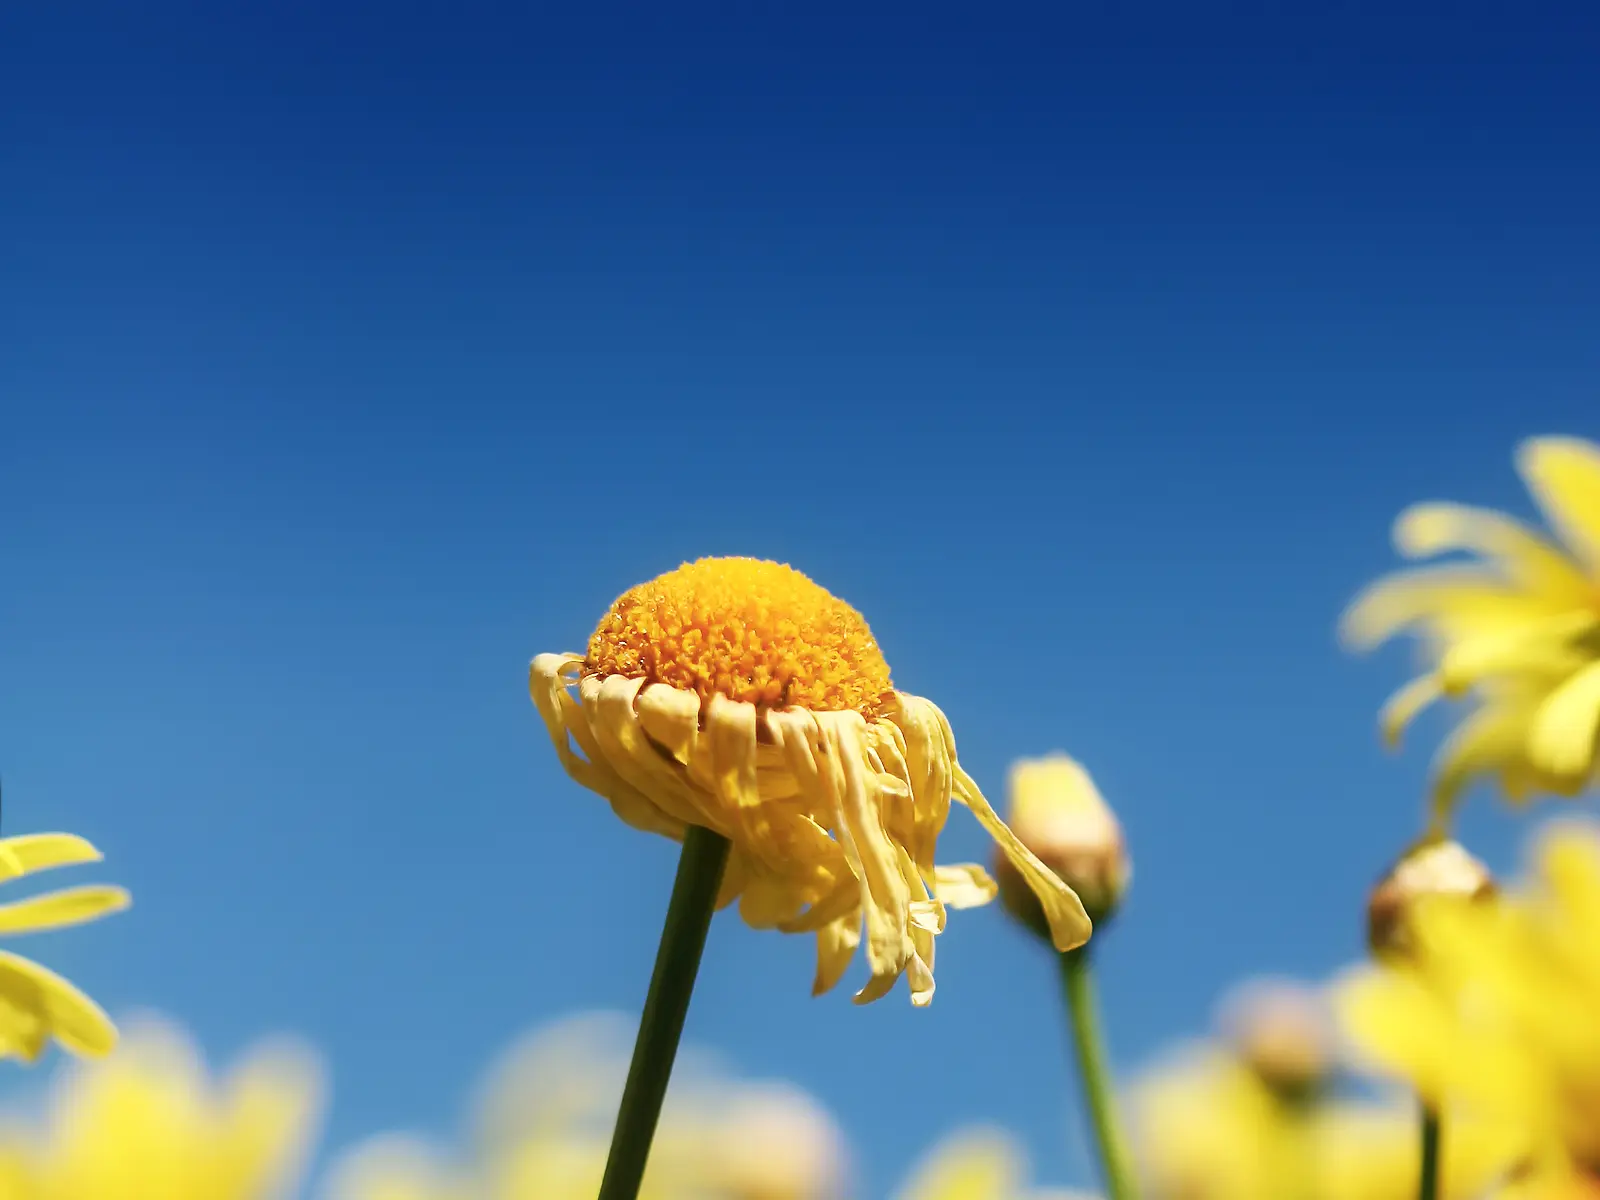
(544, 1126)
(738, 696)
(147, 1123)
(1498, 1009)
(977, 1164)
(1254, 1120)
(36, 1004)
(1518, 630)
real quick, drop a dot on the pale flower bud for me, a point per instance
(1437, 867)
(1281, 1031)
(1058, 813)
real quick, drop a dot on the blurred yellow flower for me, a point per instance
(1498, 1008)
(1254, 1119)
(147, 1122)
(1518, 630)
(544, 1128)
(35, 1004)
(737, 695)
(977, 1164)
(1209, 1128)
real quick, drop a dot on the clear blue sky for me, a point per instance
(351, 354)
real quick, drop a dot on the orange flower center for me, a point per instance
(747, 630)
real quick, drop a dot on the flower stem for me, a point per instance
(683, 937)
(1078, 981)
(1428, 1186)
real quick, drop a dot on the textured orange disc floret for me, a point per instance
(745, 629)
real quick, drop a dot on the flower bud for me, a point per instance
(1058, 814)
(1280, 1030)
(1435, 867)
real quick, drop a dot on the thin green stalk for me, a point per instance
(1077, 978)
(683, 938)
(1428, 1187)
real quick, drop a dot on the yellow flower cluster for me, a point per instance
(1517, 632)
(1257, 1116)
(1496, 1010)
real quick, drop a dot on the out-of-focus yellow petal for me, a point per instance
(267, 1116)
(974, 1165)
(1561, 739)
(1402, 707)
(32, 852)
(1424, 530)
(70, 906)
(1563, 474)
(1462, 598)
(1400, 1026)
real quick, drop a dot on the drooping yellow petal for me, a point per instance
(836, 946)
(1563, 474)
(1070, 926)
(32, 852)
(1561, 739)
(70, 906)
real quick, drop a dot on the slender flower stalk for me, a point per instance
(1428, 1185)
(1077, 978)
(683, 938)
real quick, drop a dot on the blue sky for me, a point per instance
(354, 354)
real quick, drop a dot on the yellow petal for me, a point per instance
(70, 906)
(1070, 926)
(1561, 739)
(836, 946)
(1524, 556)
(1493, 738)
(1400, 1027)
(964, 885)
(972, 1165)
(32, 852)
(1433, 595)
(1563, 474)
(29, 994)
(1548, 648)
(272, 1103)
(872, 855)
(1402, 707)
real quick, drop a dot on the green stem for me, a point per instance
(683, 937)
(1078, 980)
(1428, 1187)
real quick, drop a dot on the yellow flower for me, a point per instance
(1497, 1007)
(737, 695)
(544, 1129)
(1518, 630)
(1059, 814)
(1209, 1127)
(147, 1122)
(35, 1004)
(977, 1164)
